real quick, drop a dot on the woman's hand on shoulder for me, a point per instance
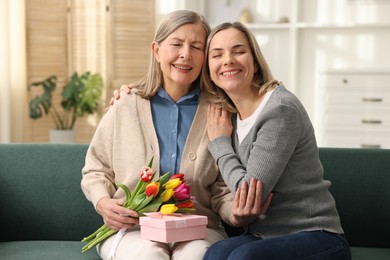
(247, 203)
(117, 94)
(218, 122)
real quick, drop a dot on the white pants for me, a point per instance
(132, 246)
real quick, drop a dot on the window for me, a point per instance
(111, 37)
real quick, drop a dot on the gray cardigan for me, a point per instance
(281, 151)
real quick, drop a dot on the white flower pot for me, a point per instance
(62, 136)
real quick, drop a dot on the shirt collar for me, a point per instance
(194, 93)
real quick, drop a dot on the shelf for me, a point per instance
(269, 26)
(343, 38)
(303, 25)
(357, 71)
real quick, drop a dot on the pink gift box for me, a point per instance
(173, 228)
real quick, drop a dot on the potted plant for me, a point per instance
(79, 96)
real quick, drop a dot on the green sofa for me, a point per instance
(44, 213)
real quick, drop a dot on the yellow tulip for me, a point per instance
(172, 184)
(167, 194)
(167, 209)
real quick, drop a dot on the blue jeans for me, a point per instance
(302, 245)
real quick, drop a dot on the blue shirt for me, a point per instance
(172, 121)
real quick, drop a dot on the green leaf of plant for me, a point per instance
(137, 189)
(164, 178)
(91, 92)
(43, 102)
(185, 210)
(137, 200)
(151, 162)
(152, 207)
(126, 189)
(144, 203)
(80, 95)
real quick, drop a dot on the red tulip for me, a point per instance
(146, 174)
(186, 204)
(178, 176)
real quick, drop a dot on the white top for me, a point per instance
(245, 125)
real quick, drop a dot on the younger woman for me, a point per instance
(271, 139)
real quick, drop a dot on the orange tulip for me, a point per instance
(152, 189)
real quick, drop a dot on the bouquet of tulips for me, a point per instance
(169, 194)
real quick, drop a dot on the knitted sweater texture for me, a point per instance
(281, 151)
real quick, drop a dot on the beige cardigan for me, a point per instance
(124, 142)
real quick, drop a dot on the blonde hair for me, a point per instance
(262, 79)
(152, 81)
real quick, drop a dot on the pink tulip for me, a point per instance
(182, 192)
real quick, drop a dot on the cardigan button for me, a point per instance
(192, 156)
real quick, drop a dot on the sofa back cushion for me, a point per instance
(361, 187)
(41, 197)
(40, 193)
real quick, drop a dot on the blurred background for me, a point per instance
(333, 54)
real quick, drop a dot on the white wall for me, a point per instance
(5, 121)
(12, 70)
(351, 35)
(321, 35)
(265, 11)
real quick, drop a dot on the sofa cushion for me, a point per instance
(41, 250)
(40, 193)
(361, 187)
(367, 253)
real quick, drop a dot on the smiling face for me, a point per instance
(231, 62)
(181, 55)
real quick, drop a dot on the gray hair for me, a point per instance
(151, 82)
